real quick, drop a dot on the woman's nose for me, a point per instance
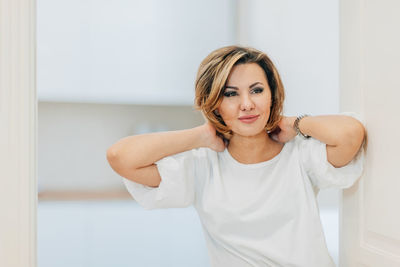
(246, 103)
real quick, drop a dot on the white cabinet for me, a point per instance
(134, 52)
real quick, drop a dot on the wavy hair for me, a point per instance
(211, 80)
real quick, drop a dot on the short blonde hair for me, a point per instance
(211, 80)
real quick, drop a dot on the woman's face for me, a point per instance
(246, 94)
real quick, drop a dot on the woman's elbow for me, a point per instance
(358, 133)
(111, 155)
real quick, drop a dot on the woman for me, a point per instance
(251, 173)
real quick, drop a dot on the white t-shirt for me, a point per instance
(262, 214)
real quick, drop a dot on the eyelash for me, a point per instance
(229, 93)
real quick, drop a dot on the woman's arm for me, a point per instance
(343, 135)
(133, 157)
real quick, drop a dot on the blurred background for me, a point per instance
(110, 69)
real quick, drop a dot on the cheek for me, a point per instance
(263, 104)
(226, 110)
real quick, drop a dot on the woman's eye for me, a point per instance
(258, 90)
(230, 93)
(233, 93)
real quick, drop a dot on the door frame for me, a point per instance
(18, 134)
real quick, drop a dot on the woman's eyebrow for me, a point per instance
(234, 87)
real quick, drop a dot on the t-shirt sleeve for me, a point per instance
(321, 172)
(177, 187)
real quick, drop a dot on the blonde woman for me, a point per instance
(251, 173)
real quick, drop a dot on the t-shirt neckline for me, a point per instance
(229, 157)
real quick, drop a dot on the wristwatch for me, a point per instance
(296, 126)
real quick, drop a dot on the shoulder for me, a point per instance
(306, 143)
(201, 154)
(206, 155)
(296, 144)
(201, 151)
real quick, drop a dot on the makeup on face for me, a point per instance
(249, 118)
(230, 93)
(246, 100)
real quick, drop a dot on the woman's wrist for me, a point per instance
(296, 126)
(202, 135)
(209, 137)
(289, 124)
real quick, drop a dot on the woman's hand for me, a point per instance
(213, 141)
(285, 131)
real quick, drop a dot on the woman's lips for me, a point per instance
(248, 119)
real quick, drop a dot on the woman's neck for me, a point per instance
(253, 149)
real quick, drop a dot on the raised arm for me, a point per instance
(133, 157)
(343, 136)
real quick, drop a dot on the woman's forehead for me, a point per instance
(246, 74)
